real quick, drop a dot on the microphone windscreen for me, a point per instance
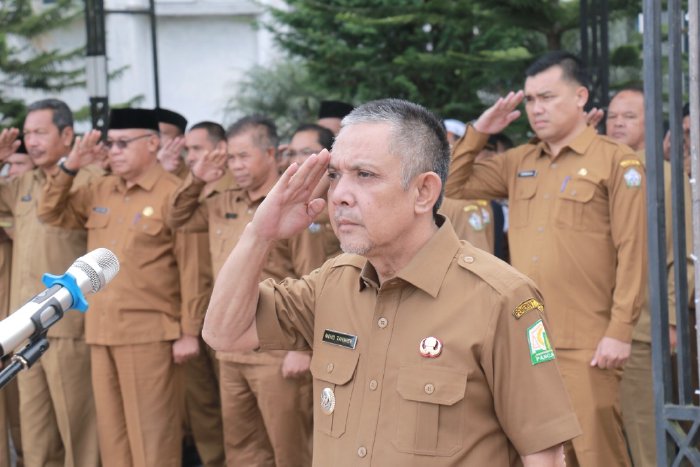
(100, 265)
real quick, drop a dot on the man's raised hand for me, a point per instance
(501, 114)
(210, 167)
(8, 142)
(86, 150)
(290, 206)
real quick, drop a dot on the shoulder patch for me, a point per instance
(540, 348)
(526, 306)
(629, 163)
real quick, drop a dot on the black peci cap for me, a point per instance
(123, 119)
(174, 118)
(334, 109)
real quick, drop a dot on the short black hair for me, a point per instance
(571, 65)
(266, 130)
(215, 132)
(324, 135)
(62, 117)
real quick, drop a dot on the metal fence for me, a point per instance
(675, 383)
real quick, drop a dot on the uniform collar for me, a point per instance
(578, 145)
(147, 181)
(427, 269)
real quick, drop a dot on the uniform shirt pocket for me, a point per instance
(144, 235)
(520, 203)
(572, 204)
(430, 420)
(333, 370)
(97, 220)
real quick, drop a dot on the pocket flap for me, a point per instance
(149, 226)
(435, 385)
(97, 221)
(580, 190)
(334, 367)
(525, 188)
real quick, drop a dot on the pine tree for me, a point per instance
(23, 65)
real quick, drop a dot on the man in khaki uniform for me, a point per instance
(266, 403)
(137, 328)
(576, 204)
(426, 350)
(202, 398)
(625, 123)
(19, 163)
(57, 408)
(171, 126)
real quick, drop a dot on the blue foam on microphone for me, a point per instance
(67, 281)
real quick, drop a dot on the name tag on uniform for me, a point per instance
(26, 198)
(338, 338)
(231, 215)
(527, 173)
(100, 210)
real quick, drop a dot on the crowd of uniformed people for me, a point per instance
(408, 348)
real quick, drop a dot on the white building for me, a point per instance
(204, 49)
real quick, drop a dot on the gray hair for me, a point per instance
(417, 137)
(62, 116)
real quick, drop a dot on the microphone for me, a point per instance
(88, 274)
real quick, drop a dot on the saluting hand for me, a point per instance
(210, 167)
(86, 150)
(170, 155)
(501, 114)
(611, 353)
(8, 142)
(594, 116)
(290, 206)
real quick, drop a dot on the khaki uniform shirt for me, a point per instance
(5, 270)
(481, 401)
(472, 220)
(577, 227)
(642, 332)
(224, 214)
(142, 304)
(39, 248)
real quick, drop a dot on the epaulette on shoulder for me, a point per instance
(502, 277)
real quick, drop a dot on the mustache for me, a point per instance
(343, 215)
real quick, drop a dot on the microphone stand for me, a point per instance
(38, 343)
(25, 358)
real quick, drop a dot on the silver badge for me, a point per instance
(633, 178)
(314, 227)
(476, 221)
(327, 401)
(430, 347)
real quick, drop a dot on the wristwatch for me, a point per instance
(62, 166)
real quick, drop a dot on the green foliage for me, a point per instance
(24, 65)
(455, 57)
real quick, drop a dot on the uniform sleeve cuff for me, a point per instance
(620, 331)
(191, 327)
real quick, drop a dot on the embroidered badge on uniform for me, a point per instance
(540, 348)
(527, 305)
(476, 221)
(629, 162)
(633, 178)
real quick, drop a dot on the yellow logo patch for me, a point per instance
(629, 163)
(526, 306)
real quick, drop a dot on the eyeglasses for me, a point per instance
(123, 143)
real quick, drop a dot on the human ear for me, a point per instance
(428, 187)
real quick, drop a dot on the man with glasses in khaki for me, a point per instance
(137, 328)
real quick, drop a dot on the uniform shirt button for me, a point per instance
(113, 242)
(126, 198)
(429, 388)
(382, 323)
(120, 220)
(546, 196)
(535, 259)
(468, 259)
(218, 231)
(329, 368)
(573, 192)
(540, 229)
(362, 451)
(373, 385)
(554, 165)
